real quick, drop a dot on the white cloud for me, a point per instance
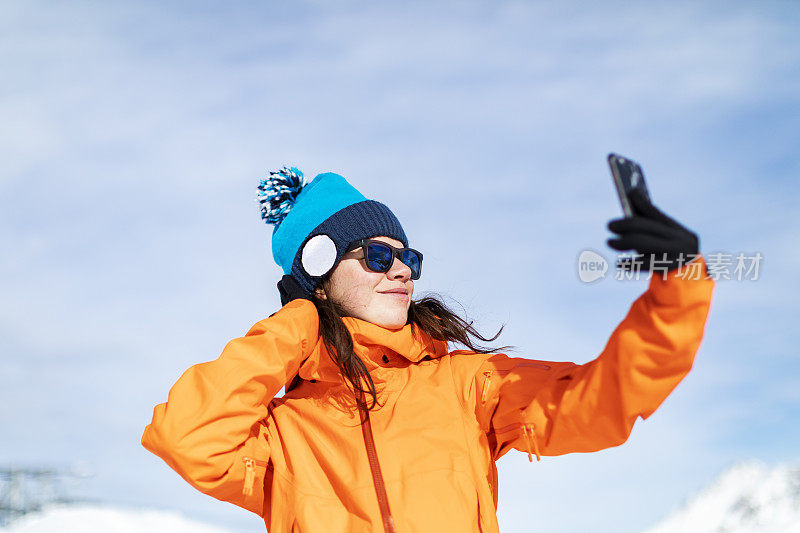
(133, 138)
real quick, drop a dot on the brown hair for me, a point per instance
(429, 315)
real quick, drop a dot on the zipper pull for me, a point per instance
(530, 438)
(527, 441)
(488, 374)
(249, 476)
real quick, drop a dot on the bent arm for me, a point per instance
(212, 424)
(553, 408)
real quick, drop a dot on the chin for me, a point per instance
(392, 320)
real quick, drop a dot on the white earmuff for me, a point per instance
(318, 256)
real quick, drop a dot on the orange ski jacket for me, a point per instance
(300, 461)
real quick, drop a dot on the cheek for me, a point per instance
(355, 296)
(352, 287)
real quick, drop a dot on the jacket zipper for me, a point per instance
(250, 474)
(490, 373)
(377, 477)
(530, 438)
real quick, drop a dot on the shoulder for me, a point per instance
(465, 364)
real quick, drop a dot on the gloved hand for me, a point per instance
(650, 231)
(290, 290)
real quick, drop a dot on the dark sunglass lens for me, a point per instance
(412, 259)
(379, 257)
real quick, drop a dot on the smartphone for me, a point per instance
(628, 175)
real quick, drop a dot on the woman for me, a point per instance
(382, 427)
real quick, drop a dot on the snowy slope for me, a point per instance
(99, 519)
(747, 498)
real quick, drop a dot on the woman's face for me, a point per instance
(382, 298)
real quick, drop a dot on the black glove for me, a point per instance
(650, 231)
(291, 290)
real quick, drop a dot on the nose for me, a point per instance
(399, 271)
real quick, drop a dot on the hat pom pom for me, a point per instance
(278, 192)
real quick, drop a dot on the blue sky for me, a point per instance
(133, 136)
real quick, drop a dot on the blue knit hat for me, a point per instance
(315, 223)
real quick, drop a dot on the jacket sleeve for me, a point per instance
(553, 408)
(212, 430)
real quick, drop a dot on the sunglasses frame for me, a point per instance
(396, 253)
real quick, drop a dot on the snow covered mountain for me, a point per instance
(100, 519)
(747, 498)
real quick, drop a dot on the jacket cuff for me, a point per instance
(683, 286)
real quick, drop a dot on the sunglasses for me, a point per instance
(379, 256)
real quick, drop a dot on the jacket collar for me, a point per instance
(371, 343)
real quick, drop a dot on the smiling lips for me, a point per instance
(397, 293)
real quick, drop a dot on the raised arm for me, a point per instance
(211, 430)
(553, 408)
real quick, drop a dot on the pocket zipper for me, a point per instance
(530, 438)
(489, 373)
(250, 474)
(486, 383)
